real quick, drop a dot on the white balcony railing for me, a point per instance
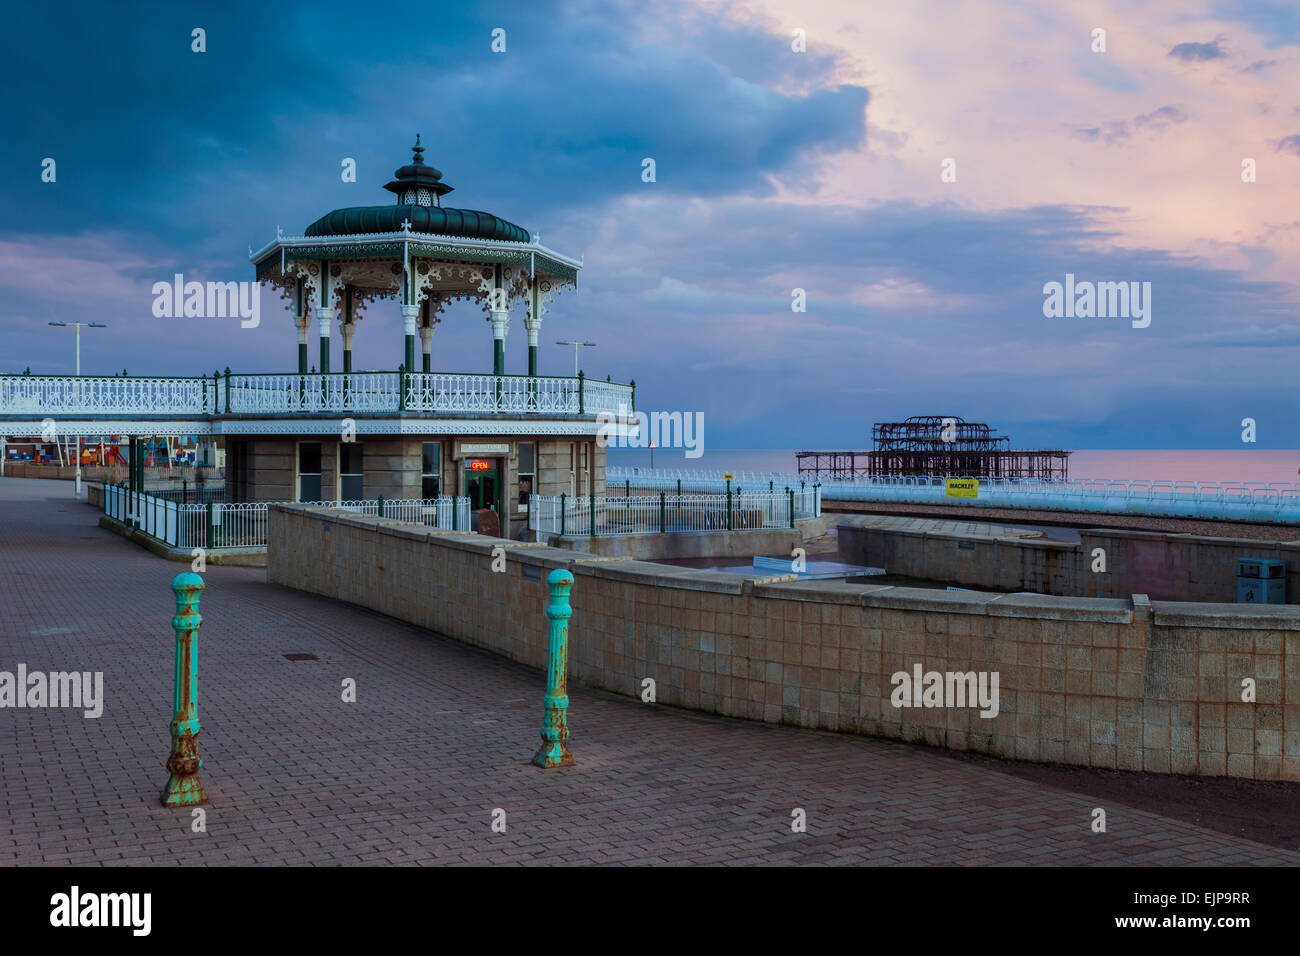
(287, 394)
(42, 395)
(439, 393)
(489, 394)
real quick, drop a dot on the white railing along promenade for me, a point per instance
(42, 395)
(667, 513)
(243, 524)
(452, 393)
(1264, 502)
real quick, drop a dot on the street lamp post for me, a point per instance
(76, 450)
(576, 345)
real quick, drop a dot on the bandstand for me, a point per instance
(326, 432)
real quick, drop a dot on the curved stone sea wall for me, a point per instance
(1128, 684)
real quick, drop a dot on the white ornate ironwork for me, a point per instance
(512, 394)
(449, 393)
(370, 238)
(278, 394)
(103, 395)
(606, 397)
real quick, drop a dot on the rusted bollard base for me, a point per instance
(183, 787)
(553, 755)
(554, 749)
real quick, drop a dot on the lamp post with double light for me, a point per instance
(576, 345)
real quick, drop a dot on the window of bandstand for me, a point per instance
(527, 472)
(573, 468)
(431, 470)
(351, 472)
(309, 471)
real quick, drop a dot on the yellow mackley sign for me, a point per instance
(962, 488)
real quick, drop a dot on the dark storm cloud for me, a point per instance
(151, 136)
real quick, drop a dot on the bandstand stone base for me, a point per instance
(266, 468)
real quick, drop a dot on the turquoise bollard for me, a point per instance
(183, 787)
(554, 751)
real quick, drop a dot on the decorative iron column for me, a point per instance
(324, 316)
(500, 322)
(348, 327)
(301, 319)
(533, 324)
(554, 751)
(426, 348)
(409, 315)
(183, 786)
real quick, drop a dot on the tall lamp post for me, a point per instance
(576, 345)
(77, 443)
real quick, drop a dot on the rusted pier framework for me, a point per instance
(937, 445)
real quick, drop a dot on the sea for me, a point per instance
(1217, 465)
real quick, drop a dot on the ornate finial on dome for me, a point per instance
(418, 184)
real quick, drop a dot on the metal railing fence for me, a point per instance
(222, 524)
(1263, 502)
(664, 512)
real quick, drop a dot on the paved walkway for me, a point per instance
(440, 736)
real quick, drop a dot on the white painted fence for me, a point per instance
(215, 525)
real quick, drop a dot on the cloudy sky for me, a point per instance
(776, 170)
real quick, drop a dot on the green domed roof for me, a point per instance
(419, 190)
(439, 220)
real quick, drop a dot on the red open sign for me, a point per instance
(480, 466)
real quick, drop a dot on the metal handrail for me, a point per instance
(1273, 502)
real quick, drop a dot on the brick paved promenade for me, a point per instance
(440, 736)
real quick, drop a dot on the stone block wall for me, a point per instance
(393, 466)
(1123, 684)
(1175, 567)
